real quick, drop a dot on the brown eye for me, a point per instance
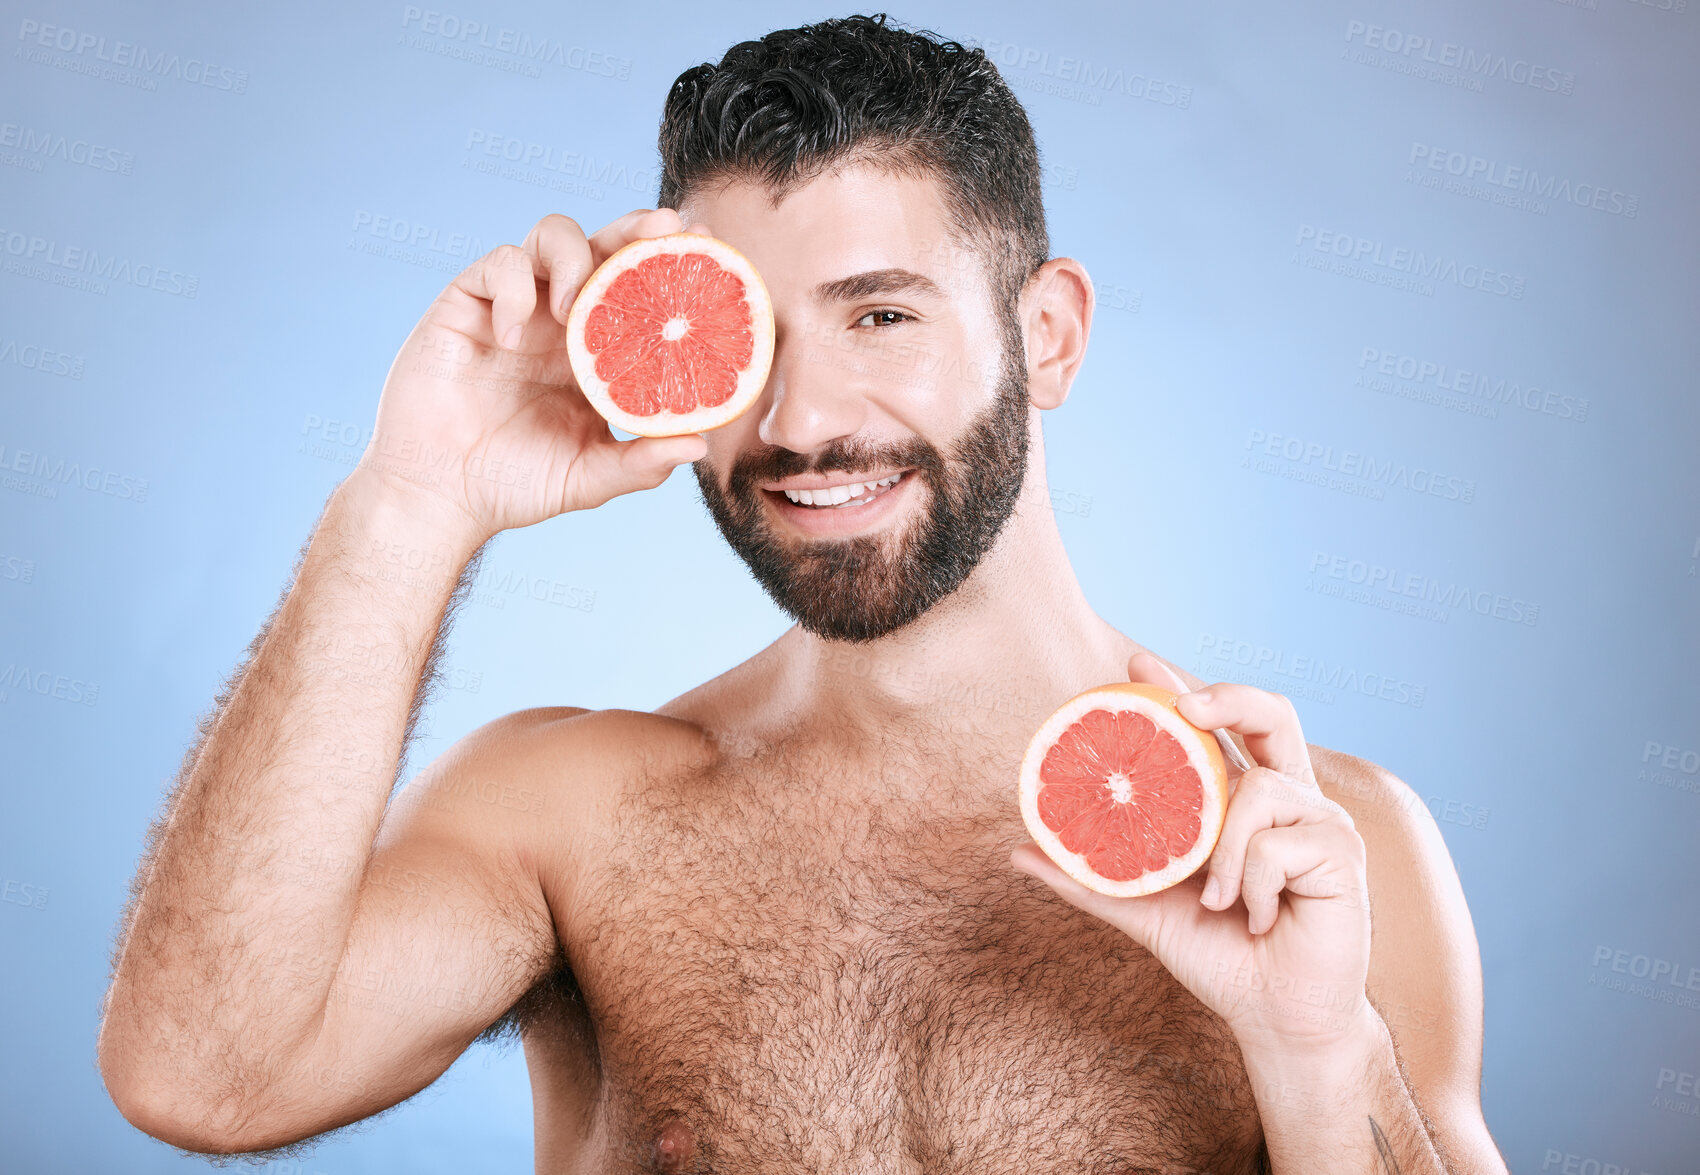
(887, 317)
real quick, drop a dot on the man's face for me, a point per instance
(890, 362)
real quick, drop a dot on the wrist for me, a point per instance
(414, 540)
(385, 506)
(1319, 1072)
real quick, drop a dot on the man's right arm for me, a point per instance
(267, 984)
(281, 908)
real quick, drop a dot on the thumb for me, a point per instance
(644, 463)
(1149, 669)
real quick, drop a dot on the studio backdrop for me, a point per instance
(1389, 407)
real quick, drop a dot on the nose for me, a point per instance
(811, 400)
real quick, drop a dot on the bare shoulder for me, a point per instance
(1425, 975)
(550, 770)
(1422, 926)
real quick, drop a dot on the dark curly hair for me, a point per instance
(786, 108)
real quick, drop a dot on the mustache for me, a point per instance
(772, 462)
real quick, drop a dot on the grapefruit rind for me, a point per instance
(1203, 754)
(751, 379)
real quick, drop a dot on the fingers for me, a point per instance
(634, 225)
(555, 252)
(1147, 667)
(1267, 801)
(1308, 860)
(1267, 721)
(506, 277)
(563, 254)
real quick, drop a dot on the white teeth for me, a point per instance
(839, 495)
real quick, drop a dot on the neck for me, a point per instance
(1016, 640)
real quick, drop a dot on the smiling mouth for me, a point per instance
(858, 493)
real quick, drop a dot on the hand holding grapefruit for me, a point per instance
(1124, 796)
(481, 421)
(1122, 792)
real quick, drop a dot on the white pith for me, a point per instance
(852, 493)
(1203, 755)
(751, 380)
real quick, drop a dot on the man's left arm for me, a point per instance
(1363, 1048)
(1425, 978)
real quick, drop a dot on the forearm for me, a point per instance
(1344, 1110)
(241, 914)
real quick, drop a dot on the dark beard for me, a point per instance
(861, 588)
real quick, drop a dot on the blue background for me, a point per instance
(1195, 162)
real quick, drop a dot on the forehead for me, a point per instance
(851, 219)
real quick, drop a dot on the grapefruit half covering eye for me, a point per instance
(1124, 794)
(672, 334)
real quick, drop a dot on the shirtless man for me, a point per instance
(790, 921)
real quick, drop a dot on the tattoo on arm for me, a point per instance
(1388, 1162)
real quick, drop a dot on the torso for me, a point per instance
(813, 955)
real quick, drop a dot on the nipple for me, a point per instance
(675, 1146)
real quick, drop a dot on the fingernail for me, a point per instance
(1200, 696)
(511, 338)
(1212, 892)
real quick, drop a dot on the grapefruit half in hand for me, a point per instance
(672, 334)
(1124, 794)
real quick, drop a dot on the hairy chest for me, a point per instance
(813, 983)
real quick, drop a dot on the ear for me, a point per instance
(1056, 307)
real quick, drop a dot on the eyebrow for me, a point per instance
(874, 282)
